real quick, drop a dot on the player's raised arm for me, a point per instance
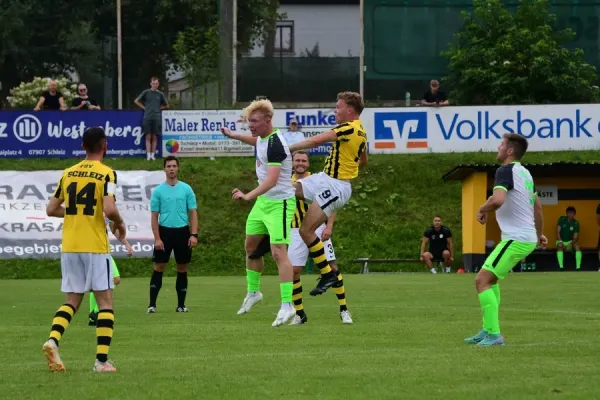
(312, 142)
(242, 138)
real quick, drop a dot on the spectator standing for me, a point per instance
(434, 97)
(83, 101)
(51, 99)
(441, 246)
(152, 101)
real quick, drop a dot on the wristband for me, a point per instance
(194, 235)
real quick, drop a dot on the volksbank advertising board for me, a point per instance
(468, 129)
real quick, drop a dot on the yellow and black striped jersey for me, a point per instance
(301, 208)
(342, 161)
(83, 188)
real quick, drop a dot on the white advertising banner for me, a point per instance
(469, 129)
(197, 133)
(311, 121)
(400, 129)
(27, 232)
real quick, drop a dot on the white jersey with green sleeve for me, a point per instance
(515, 217)
(274, 151)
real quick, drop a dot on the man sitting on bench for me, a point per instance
(567, 237)
(441, 247)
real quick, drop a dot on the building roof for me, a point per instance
(582, 169)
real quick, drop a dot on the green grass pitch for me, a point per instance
(406, 342)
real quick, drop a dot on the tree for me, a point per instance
(504, 58)
(197, 54)
(34, 43)
(151, 29)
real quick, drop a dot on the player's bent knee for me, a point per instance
(104, 299)
(484, 280)
(279, 252)
(297, 273)
(74, 300)
(159, 267)
(446, 254)
(259, 250)
(181, 267)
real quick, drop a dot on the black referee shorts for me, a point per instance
(175, 240)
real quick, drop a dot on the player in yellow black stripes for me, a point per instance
(330, 190)
(88, 190)
(298, 251)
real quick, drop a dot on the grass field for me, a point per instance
(406, 342)
(393, 202)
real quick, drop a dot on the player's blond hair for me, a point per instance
(263, 105)
(353, 99)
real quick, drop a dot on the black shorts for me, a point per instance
(152, 126)
(438, 254)
(175, 240)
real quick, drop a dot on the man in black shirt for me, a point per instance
(51, 99)
(434, 97)
(83, 101)
(441, 247)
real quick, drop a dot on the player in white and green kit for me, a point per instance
(519, 215)
(274, 208)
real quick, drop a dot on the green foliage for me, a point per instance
(394, 200)
(33, 42)
(197, 54)
(504, 58)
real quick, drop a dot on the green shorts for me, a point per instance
(566, 244)
(273, 218)
(506, 255)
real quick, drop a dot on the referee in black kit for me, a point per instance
(175, 229)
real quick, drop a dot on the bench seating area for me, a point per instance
(366, 261)
(545, 260)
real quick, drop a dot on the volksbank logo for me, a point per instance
(484, 125)
(27, 128)
(396, 130)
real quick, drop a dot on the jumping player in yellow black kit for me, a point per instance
(330, 190)
(88, 190)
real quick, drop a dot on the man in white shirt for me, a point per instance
(293, 135)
